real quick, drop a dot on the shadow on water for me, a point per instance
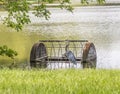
(20, 41)
(99, 25)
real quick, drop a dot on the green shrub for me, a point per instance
(5, 51)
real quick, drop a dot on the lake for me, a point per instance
(98, 24)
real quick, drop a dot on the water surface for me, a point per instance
(100, 25)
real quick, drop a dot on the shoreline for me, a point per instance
(52, 6)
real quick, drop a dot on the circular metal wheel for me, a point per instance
(38, 55)
(89, 58)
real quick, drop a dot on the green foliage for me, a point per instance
(4, 50)
(101, 1)
(41, 11)
(17, 14)
(18, 10)
(88, 1)
(71, 81)
(85, 1)
(66, 4)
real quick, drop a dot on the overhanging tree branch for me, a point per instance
(18, 11)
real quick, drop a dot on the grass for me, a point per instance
(71, 81)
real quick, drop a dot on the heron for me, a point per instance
(70, 55)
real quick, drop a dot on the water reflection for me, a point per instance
(97, 24)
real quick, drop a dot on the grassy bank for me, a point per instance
(60, 81)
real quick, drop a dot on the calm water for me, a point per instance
(100, 25)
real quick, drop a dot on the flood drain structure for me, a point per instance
(54, 54)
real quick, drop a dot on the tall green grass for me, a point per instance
(71, 81)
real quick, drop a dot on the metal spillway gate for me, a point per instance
(54, 54)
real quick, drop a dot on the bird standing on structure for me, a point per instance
(70, 55)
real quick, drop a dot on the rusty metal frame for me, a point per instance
(56, 48)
